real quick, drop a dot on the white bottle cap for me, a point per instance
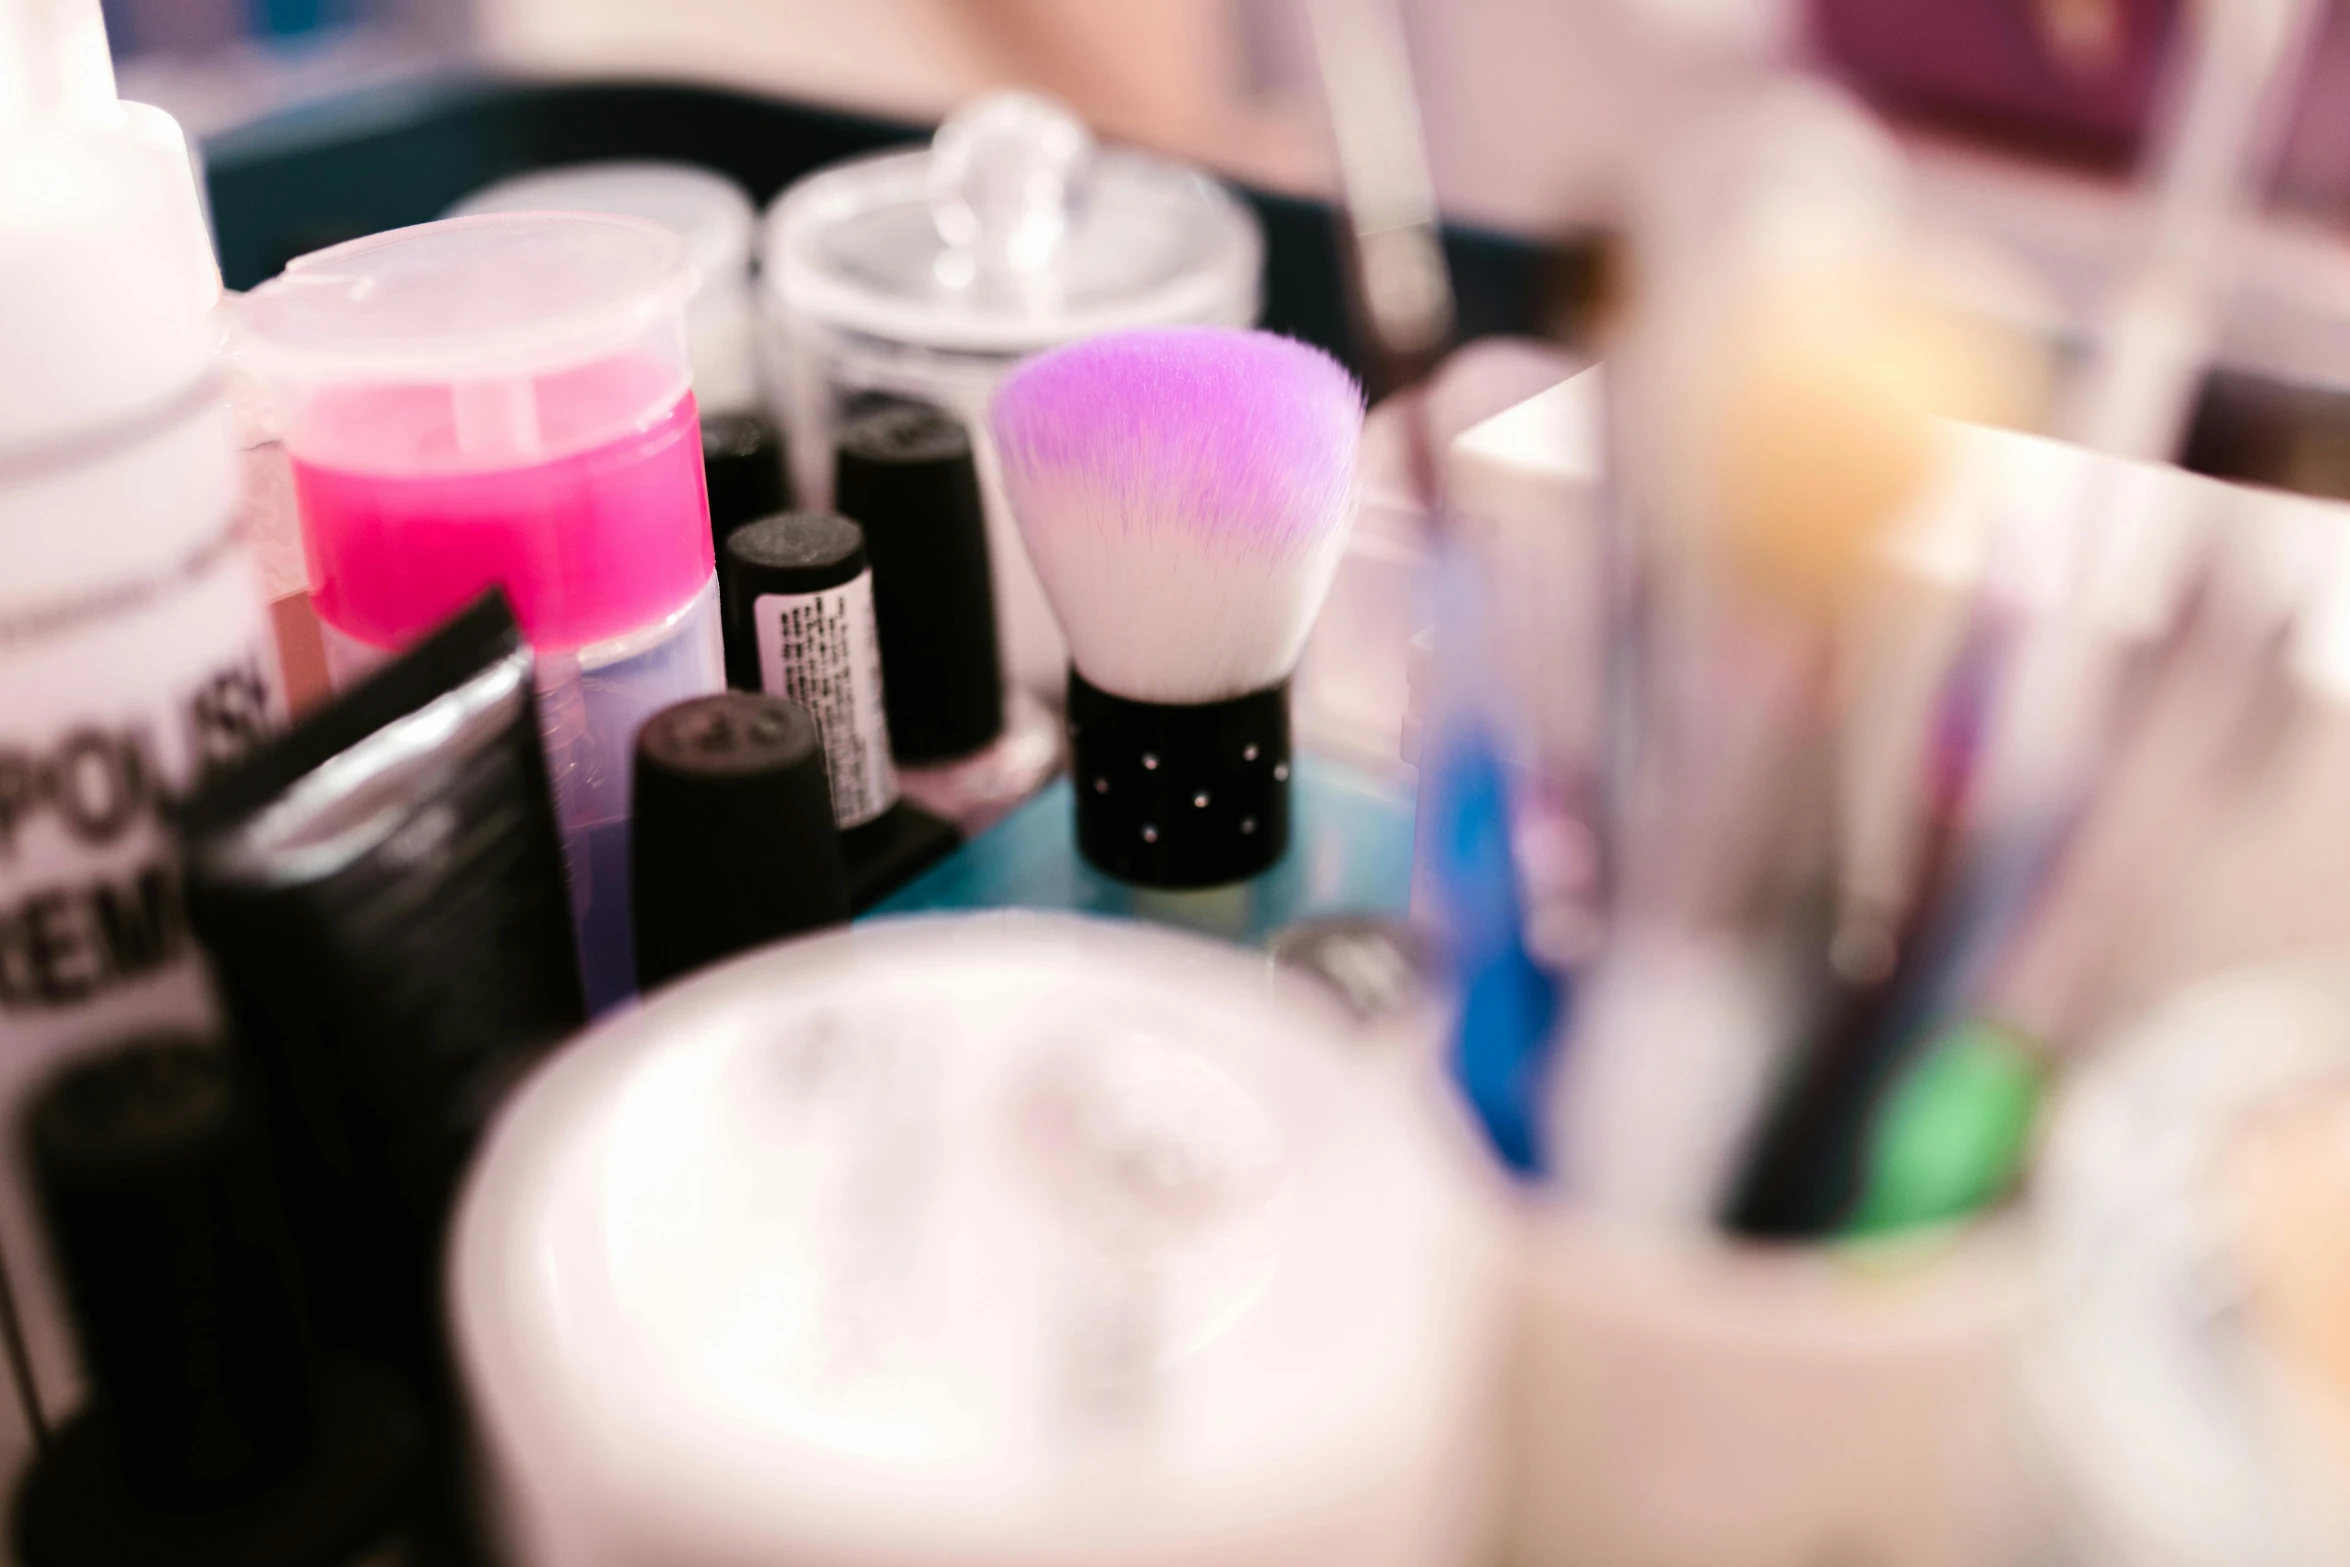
(56, 74)
(104, 258)
(102, 326)
(54, 64)
(708, 211)
(1007, 1238)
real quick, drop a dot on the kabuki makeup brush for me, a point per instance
(1184, 494)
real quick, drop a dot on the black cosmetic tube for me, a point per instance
(381, 894)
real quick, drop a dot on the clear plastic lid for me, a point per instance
(702, 207)
(710, 212)
(473, 343)
(1011, 232)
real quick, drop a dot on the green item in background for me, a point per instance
(1951, 1136)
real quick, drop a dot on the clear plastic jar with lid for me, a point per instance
(924, 275)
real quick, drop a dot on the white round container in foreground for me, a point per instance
(2177, 1429)
(994, 1239)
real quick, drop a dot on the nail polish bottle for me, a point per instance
(966, 748)
(216, 1434)
(735, 843)
(743, 465)
(797, 595)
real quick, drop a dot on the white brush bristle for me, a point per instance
(1184, 494)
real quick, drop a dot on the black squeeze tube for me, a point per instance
(217, 1432)
(381, 893)
(1180, 796)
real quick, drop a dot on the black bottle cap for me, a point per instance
(733, 843)
(904, 472)
(178, 1268)
(743, 466)
(1173, 796)
(353, 1497)
(892, 849)
(796, 552)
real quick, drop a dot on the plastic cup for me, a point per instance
(507, 400)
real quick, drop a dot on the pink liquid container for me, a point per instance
(506, 401)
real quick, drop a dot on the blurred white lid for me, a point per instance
(1009, 233)
(105, 261)
(54, 63)
(710, 212)
(714, 217)
(106, 317)
(2176, 1432)
(498, 297)
(1002, 1238)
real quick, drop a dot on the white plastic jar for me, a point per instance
(996, 1238)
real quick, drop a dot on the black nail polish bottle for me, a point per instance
(743, 467)
(734, 843)
(216, 1435)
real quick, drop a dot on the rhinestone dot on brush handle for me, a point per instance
(1173, 796)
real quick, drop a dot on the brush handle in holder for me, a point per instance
(1174, 796)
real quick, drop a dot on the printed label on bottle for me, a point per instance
(821, 651)
(106, 719)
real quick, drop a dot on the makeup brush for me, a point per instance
(1184, 494)
(1781, 453)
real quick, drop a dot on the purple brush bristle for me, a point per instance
(1184, 493)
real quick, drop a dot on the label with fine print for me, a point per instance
(107, 719)
(821, 651)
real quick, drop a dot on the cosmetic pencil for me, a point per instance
(1184, 494)
(1508, 1007)
(2212, 155)
(1778, 422)
(1794, 1182)
(1954, 1129)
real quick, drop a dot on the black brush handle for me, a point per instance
(1804, 1172)
(1180, 796)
